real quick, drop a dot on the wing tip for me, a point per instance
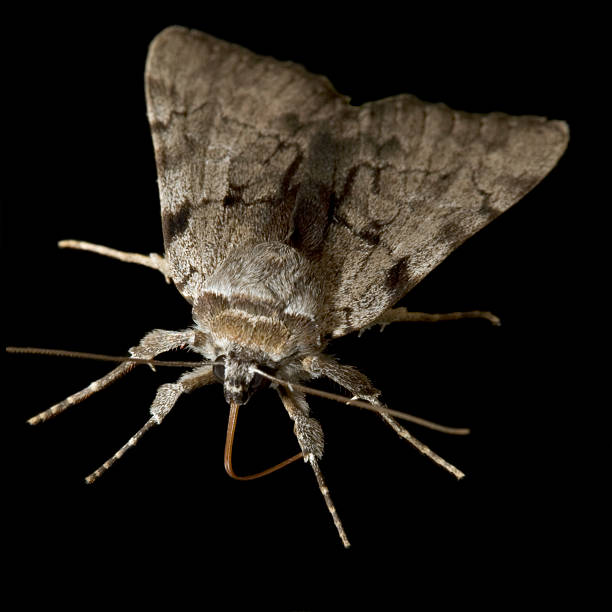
(559, 131)
(564, 129)
(171, 32)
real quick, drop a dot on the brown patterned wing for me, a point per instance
(413, 182)
(250, 150)
(228, 132)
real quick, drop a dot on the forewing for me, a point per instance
(229, 130)
(413, 181)
(250, 149)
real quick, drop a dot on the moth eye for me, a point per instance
(219, 369)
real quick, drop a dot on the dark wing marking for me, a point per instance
(414, 181)
(229, 135)
(250, 149)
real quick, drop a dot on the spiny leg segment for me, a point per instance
(401, 314)
(75, 398)
(310, 438)
(360, 386)
(423, 448)
(328, 500)
(153, 260)
(162, 404)
(155, 342)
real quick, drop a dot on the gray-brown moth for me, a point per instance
(291, 218)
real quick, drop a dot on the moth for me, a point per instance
(291, 218)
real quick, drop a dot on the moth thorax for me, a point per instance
(261, 333)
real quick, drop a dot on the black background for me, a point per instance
(167, 520)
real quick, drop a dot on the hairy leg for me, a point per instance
(310, 438)
(155, 342)
(360, 386)
(164, 401)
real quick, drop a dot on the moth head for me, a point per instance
(237, 349)
(239, 377)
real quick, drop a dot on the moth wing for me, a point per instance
(227, 133)
(413, 181)
(249, 149)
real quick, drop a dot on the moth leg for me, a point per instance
(395, 315)
(307, 430)
(423, 448)
(153, 260)
(310, 438)
(162, 404)
(155, 342)
(360, 386)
